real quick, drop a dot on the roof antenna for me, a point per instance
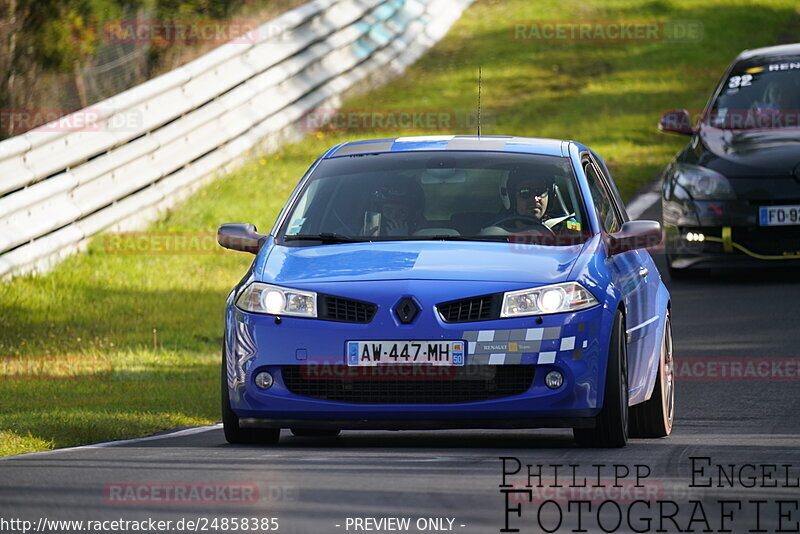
(480, 73)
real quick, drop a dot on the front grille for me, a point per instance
(483, 308)
(768, 240)
(345, 310)
(408, 384)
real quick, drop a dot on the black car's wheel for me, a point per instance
(653, 418)
(611, 429)
(685, 273)
(316, 432)
(230, 421)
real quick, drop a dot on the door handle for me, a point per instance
(644, 271)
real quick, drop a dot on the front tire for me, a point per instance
(653, 418)
(611, 426)
(230, 421)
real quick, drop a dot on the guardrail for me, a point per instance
(153, 145)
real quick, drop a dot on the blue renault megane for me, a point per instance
(450, 282)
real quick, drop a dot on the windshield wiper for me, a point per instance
(325, 237)
(450, 237)
(332, 238)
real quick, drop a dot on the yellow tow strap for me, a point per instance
(734, 245)
(727, 240)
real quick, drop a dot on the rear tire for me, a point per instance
(653, 418)
(316, 432)
(611, 425)
(230, 421)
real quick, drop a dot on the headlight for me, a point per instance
(566, 297)
(702, 183)
(275, 300)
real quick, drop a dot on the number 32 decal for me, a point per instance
(740, 81)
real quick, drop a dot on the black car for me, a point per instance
(731, 197)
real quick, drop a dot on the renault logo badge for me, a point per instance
(406, 310)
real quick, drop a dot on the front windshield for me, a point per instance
(759, 94)
(453, 195)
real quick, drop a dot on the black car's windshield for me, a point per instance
(759, 94)
(453, 195)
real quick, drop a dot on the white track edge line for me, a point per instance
(175, 434)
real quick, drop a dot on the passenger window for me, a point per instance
(609, 219)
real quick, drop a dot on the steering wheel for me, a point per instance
(533, 222)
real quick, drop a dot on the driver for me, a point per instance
(398, 206)
(778, 95)
(531, 197)
(532, 201)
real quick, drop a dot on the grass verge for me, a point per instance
(111, 346)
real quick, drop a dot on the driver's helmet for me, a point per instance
(509, 186)
(778, 94)
(399, 190)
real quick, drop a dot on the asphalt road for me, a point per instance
(749, 424)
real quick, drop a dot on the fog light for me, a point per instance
(553, 380)
(263, 380)
(695, 236)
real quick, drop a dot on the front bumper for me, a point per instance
(377, 423)
(731, 236)
(573, 343)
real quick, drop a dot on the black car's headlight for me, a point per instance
(703, 183)
(556, 298)
(276, 300)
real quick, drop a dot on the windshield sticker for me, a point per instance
(297, 224)
(794, 65)
(740, 81)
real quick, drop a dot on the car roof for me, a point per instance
(492, 143)
(770, 52)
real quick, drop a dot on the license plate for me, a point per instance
(779, 215)
(405, 353)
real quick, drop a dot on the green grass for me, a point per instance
(101, 309)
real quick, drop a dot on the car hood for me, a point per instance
(750, 152)
(418, 260)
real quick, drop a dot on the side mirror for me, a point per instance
(677, 121)
(239, 236)
(635, 235)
